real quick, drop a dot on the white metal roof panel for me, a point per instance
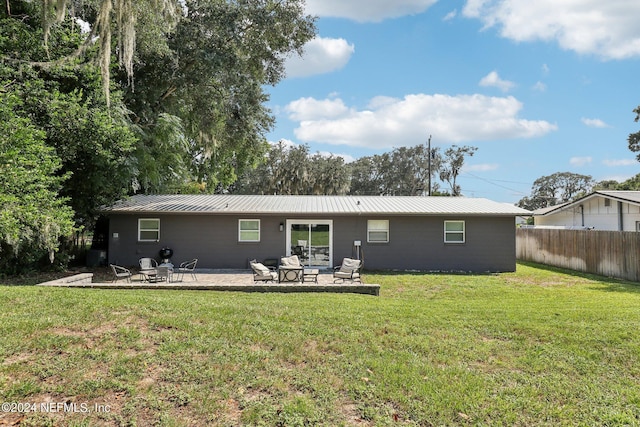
(345, 205)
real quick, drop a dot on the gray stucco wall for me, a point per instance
(414, 242)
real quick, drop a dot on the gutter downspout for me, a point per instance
(582, 215)
(620, 217)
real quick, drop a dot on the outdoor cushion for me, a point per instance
(291, 261)
(258, 267)
(262, 273)
(348, 270)
(349, 265)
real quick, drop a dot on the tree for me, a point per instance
(402, 172)
(632, 184)
(211, 79)
(452, 163)
(330, 175)
(193, 73)
(634, 138)
(108, 19)
(292, 170)
(32, 216)
(560, 187)
(366, 176)
(92, 142)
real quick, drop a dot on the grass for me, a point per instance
(535, 347)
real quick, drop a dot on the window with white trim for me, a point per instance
(378, 231)
(148, 230)
(249, 230)
(454, 232)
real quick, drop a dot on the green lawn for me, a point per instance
(535, 347)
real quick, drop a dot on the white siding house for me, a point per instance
(601, 210)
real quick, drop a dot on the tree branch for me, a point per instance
(5, 87)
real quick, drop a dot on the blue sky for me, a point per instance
(538, 87)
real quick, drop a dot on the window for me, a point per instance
(454, 231)
(607, 203)
(148, 230)
(249, 230)
(378, 230)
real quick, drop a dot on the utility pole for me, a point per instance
(429, 155)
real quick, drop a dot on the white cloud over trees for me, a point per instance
(392, 122)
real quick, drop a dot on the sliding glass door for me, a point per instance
(311, 240)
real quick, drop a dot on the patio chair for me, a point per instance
(262, 273)
(290, 269)
(349, 270)
(148, 263)
(163, 274)
(188, 267)
(120, 273)
(290, 261)
(148, 268)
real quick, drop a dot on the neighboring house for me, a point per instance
(404, 233)
(601, 210)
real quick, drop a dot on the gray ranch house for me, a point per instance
(389, 233)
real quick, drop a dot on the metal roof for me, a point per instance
(624, 196)
(343, 205)
(632, 197)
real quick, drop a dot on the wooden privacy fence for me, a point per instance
(607, 253)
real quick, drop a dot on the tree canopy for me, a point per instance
(181, 109)
(559, 187)
(634, 138)
(403, 171)
(206, 92)
(631, 184)
(293, 170)
(32, 215)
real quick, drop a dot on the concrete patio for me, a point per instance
(221, 280)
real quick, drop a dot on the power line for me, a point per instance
(498, 185)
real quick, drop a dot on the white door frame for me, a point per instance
(328, 222)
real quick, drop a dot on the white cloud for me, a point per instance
(451, 15)
(389, 122)
(493, 80)
(313, 109)
(545, 69)
(604, 28)
(594, 123)
(381, 101)
(321, 55)
(540, 87)
(580, 161)
(485, 167)
(367, 10)
(621, 162)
